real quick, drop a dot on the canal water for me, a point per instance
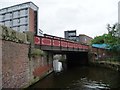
(81, 78)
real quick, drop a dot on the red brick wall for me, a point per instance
(101, 53)
(41, 65)
(41, 70)
(15, 64)
(31, 20)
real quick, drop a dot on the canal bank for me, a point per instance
(106, 64)
(81, 78)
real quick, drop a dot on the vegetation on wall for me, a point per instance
(30, 37)
(36, 53)
(11, 35)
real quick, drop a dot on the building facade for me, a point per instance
(22, 17)
(119, 18)
(119, 12)
(71, 35)
(84, 39)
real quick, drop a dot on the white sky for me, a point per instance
(88, 17)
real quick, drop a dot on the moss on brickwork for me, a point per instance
(12, 35)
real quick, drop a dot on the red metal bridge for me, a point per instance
(48, 42)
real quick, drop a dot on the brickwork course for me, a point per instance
(18, 70)
(15, 64)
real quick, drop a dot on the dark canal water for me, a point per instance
(82, 78)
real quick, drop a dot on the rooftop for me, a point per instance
(19, 5)
(85, 35)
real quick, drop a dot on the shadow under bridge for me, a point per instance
(75, 59)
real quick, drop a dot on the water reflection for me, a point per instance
(86, 84)
(82, 78)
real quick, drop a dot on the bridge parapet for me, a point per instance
(49, 42)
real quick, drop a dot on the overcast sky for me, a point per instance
(88, 17)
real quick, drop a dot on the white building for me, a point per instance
(119, 18)
(21, 17)
(119, 12)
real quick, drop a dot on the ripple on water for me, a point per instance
(86, 84)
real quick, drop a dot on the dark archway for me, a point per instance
(75, 59)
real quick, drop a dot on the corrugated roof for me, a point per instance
(104, 46)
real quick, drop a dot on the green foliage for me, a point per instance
(5, 34)
(98, 40)
(112, 38)
(36, 52)
(11, 35)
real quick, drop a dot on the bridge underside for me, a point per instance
(75, 59)
(60, 49)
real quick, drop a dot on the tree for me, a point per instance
(98, 40)
(114, 32)
(112, 38)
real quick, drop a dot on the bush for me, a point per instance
(36, 53)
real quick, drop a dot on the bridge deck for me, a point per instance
(53, 43)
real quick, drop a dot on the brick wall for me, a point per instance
(40, 66)
(101, 54)
(31, 20)
(17, 69)
(15, 64)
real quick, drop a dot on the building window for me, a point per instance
(18, 13)
(15, 22)
(23, 20)
(15, 14)
(72, 34)
(22, 12)
(18, 20)
(1, 17)
(7, 23)
(10, 23)
(23, 28)
(26, 11)
(8, 16)
(26, 19)
(18, 29)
